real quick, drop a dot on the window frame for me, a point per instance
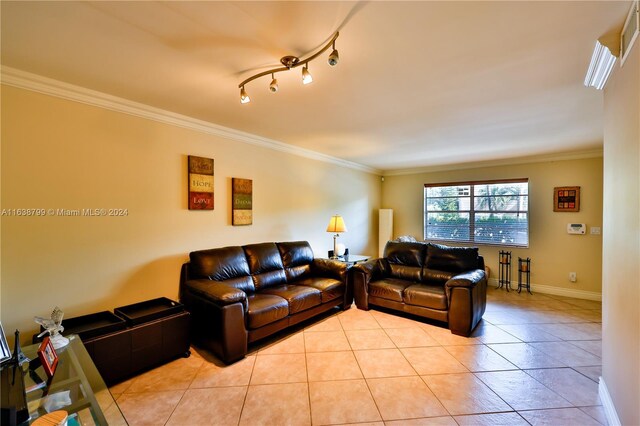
(472, 211)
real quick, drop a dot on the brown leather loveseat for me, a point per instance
(434, 281)
(237, 295)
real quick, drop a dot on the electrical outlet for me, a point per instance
(573, 277)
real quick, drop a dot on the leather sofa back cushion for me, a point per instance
(433, 276)
(296, 258)
(408, 254)
(265, 265)
(410, 273)
(453, 259)
(226, 264)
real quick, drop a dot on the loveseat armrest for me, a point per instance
(329, 268)
(467, 279)
(217, 292)
(361, 275)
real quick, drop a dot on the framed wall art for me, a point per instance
(200, 183)
(242, 201)
(566, 199)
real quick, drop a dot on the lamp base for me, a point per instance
(335, 247)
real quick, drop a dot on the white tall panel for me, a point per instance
(385, 229)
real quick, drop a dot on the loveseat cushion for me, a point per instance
(299, 297)
(389, 288)
(453, 259)
(265, 265)
(428, 296)
(265, 309)
(405, 260)
(329, 287)
(433, 276)
(226, 264)
(296, 259)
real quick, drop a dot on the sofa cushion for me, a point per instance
(329, 287)
(226, 264)
(299, 297)
(389, 288)
(265, 309)
(453, 259)
(428, 296)
(405, 260)
(265, 265)
(409, 254)
(434, 276)
(296, 258)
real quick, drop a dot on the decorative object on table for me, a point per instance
(200, 183)
(290, 62)
(566, 199)
(56, 418)
(48, 357)
(53, 326)
(524, 272)
(242, 201)
(504, 276)
(5, 352)
(336, 225)
(12, 388)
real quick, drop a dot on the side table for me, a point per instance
(350, 260)
(76, 387)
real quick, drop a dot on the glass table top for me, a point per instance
(75, 387)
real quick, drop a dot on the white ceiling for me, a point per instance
(418, 84)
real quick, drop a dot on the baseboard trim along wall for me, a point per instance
(558, 291)
(607, 404)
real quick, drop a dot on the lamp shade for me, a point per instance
(336, 224)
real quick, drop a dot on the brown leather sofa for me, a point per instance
(237, 295)
(434, 281)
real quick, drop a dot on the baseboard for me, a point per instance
(607, 404)
(558, 291)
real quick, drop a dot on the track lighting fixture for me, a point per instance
(290, 62)
(244, 98)
(306, 75)
(273, 87)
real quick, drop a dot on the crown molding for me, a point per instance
(561, 156)
(48, 86)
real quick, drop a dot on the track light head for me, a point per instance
(334, 58)
(244, 97)
(306, 75)
(273, 87)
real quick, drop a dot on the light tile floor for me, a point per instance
(534, 359)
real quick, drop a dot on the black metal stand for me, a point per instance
(524, 269)
(504, 277)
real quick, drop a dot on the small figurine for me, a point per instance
(54, 327)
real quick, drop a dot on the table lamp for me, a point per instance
(336, 225)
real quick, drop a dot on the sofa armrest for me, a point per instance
(361, 275)
(329, 268)
(467, 279)
(216, 292)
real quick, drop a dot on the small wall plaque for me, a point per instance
(242, 203)
(200, 183)
(566, 199)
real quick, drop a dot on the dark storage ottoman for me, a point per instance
(137, 337)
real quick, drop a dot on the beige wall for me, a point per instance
(621, 245)
(553, 252)
(59, 154)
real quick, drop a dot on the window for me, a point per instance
(489, 212)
